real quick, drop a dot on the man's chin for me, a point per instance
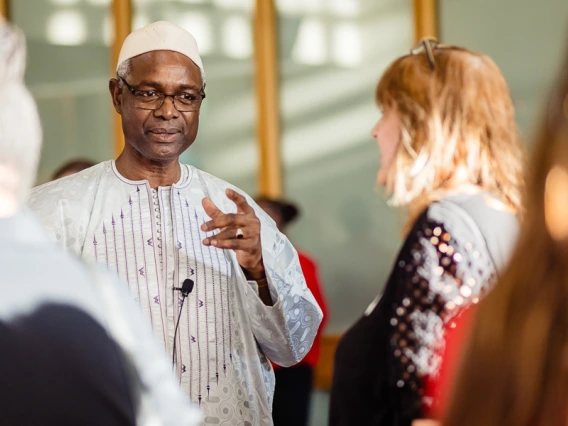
(161, 155)
(159, 151)
(164, 151)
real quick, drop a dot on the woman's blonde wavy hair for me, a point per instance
(458, 124)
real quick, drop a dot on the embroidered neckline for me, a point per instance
(185, 178)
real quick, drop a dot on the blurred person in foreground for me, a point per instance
(450, 154)
(73, 347)
(294, 384)
(71, 167)
(514, 370)
(159, 224)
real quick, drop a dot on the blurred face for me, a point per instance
(67, 173)
(387, 134)
(273, 213)
(161, 134)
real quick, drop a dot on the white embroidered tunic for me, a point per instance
(151, 238)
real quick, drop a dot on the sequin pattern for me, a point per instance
(441, 272)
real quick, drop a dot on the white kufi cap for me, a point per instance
(160, 35)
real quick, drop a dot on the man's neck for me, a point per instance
(156, 173)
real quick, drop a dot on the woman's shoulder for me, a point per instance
(472, 220)
(480, 206)
(466, 213)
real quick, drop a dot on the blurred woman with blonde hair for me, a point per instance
(450, 154)
(514, 370)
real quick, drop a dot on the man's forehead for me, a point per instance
(159, 58)
(167, 63)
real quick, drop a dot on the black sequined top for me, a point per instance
(447, 262)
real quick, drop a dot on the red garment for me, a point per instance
(440, 388)
(310, 270)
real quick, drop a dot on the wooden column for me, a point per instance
(5, 9)
(122, 17)
(266, 81)
(425, 19)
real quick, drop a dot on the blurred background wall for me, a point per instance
(330, 56)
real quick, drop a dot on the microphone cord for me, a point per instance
(184, 296)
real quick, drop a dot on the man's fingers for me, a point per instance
(229, 220)
(210, 208)
(239, 200)
(227, 234)
(230, 243)
(244, 222)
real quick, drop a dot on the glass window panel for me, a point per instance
(527, 39)
(226, 142)
(332, 54)
(68, 72)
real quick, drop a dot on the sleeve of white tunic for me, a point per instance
(285, 331)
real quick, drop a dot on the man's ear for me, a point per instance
(203, 90)
(115, 94)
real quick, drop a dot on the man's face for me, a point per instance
(162, 134)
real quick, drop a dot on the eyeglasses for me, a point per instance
(153, 99)
(428, 44)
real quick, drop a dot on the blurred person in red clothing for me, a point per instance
(294, 384)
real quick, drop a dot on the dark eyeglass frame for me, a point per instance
(429, 44)
(162, 96)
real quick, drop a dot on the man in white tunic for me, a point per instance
(74, 349)
(156, 223)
